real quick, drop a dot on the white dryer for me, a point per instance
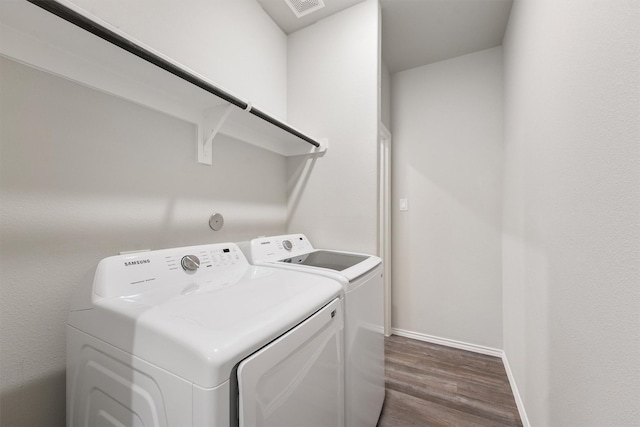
(196, 336)
(361, 278)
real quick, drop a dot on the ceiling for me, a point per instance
(417, 32)
(289, 23)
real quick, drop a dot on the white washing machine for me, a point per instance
(196, 336)
(361, 278)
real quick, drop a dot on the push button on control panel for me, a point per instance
(190, 263)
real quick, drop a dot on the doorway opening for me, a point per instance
(384, 217)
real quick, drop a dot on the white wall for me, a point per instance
(84, 175)
(447, 157)
(572, 210)
(233, 43)
(333, 93)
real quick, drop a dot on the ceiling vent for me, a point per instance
(304, 7)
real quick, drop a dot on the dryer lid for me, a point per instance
(199, 325)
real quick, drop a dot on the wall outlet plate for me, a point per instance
(216, 221)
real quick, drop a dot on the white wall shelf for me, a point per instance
(92, 53)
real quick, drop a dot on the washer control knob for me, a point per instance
(287, 244)
(190, 263)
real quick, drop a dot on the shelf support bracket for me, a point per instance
(205, 148)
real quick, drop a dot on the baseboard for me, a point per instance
(515, 391)
(476, 349)
(448, 342)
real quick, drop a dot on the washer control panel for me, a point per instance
(278, 247)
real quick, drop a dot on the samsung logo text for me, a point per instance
(137, 262)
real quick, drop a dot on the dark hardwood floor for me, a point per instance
(433, 385)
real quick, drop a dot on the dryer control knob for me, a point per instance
(190, 263)
(287, 244)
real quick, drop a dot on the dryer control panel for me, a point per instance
(136, 273)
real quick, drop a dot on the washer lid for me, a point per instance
(201, 327)
(293, 250)
(332, 260)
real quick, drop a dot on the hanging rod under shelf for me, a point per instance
(87, 24)
(283, 126)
